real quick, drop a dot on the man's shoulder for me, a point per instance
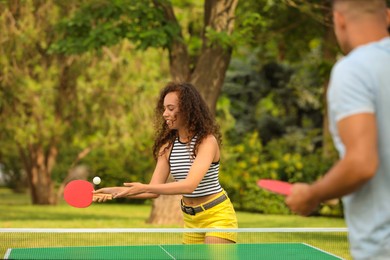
(371, 50)
(357, 62)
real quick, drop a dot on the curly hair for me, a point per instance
(195, 113)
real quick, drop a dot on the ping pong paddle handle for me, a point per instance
(101, 195)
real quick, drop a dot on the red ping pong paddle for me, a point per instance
(284, 188)
(78, 193)
(276, 186)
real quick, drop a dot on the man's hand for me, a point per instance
(302, 199)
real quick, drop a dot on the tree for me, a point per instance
(276, 86)
(100, 24)
(291, 58)
(25, 66)
(51, 103)
(154, 24)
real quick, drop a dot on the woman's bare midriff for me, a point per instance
(199, 200)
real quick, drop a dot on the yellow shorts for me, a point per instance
(219, 216)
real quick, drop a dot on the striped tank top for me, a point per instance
(180, 161)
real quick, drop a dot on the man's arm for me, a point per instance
(359, 136)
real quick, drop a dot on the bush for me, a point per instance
(292, 158)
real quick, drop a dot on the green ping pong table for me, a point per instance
(290, 251)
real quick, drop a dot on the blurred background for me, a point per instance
(79, 82)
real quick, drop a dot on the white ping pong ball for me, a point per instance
(96, 180)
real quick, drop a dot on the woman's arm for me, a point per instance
(208, 151)
(160, 175)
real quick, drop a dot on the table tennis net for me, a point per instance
(332, 240)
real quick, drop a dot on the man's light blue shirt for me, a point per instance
(360, 83)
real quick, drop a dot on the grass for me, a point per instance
(17, 212)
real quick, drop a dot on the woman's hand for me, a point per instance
(134, 188)
(130, 189)
(106, 193)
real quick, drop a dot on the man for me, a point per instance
(359, 116)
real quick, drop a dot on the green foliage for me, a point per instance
(27, 84)
(292, 158)
(189, 14)
(101, 23)
(276, 89)
(216, 38)
(270, 110)
(297, 157)
(243, 87)
(48, 99)
(242, 167)
(282, 29)
(10, 166)
(117, 114)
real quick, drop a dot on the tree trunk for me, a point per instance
(179, 60)
(166, 210)
(210, 70)
(207, 76)
(38, 165)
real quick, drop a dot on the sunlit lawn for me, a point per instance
(17, 212)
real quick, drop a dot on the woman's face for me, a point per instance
(172, 111)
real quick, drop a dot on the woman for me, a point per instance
(187, 146)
